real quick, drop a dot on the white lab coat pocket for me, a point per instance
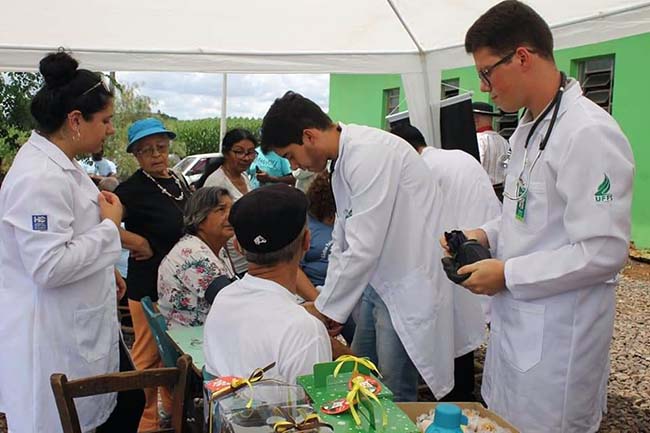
(522, 329)
(93, 332)
(536, 207)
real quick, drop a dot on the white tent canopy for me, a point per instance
(413, 37)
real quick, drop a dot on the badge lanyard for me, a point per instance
(521, 194)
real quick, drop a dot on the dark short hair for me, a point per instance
(234, 136)
(288, 117)
(321, 197)
(508, 25)
(410, 134)
(66, 89)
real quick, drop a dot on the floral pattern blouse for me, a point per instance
(184, 275)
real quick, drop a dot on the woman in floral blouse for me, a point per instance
(197, 259)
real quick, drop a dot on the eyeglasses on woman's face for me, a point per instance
(242, 153)
(150, 150)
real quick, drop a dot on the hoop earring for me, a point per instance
(76, 136)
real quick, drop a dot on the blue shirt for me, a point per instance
(315, 262)
(103, 167)
(271, 163)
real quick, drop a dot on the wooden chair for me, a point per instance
(158, 327)
(65, 392)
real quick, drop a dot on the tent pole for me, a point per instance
(432, 108)
(224, 110)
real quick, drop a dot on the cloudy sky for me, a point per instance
(196, 96)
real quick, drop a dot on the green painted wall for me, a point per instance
(358, 99)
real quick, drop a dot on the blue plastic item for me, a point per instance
(447, 419)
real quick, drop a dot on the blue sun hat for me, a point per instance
(144, 128)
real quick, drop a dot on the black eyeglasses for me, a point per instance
(243, 153)
(484, 74)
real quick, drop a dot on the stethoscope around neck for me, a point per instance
(522, 188)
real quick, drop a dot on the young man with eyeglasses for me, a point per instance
(561, 239)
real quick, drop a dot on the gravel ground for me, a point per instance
(629, 387)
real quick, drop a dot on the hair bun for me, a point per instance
(58, 69)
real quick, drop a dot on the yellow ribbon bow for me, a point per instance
(310, 422)
(358, 390)
(357, 361)
(236, 383)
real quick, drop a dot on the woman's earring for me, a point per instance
(76, 136)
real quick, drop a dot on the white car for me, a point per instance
(192, 166)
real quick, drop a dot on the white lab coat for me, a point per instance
(492, 148)
(388, 220)
(548, 357)
(469, 201)
(57, 288)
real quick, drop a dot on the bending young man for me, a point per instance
(388, 215)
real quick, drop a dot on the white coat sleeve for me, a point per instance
(491, 229)
(57, 256)
(598, 231)
(373, 179)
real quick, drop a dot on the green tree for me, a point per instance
(16, 92)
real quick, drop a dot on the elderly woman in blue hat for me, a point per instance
(153, 198)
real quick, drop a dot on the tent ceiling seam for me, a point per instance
(406, 27)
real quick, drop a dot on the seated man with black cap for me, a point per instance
(256, 321)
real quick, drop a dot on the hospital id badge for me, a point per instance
(522, 193)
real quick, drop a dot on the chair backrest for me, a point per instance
(158, 326)
(66, 391)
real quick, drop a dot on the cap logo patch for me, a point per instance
(259, 240)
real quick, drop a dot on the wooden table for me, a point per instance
(189, 339)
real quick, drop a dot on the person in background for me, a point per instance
(60, 242)
(492, 147)
(561, 239)
(110, 184)
(269, 168)
(197, 259)
(469, 200)
(153, 197)
(238, 148)
(99, 167)
(259, 312)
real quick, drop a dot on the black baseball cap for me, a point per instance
(483, 108)
(269, 218)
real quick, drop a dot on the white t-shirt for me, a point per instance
(254, 322)
(219, 179)
(492, 147)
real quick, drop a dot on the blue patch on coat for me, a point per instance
(39, 223)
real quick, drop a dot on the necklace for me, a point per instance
(162, 188)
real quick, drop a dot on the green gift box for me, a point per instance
(323, 387)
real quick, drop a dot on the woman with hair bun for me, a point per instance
(60, 242)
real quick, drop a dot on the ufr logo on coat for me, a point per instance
(602, 193)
